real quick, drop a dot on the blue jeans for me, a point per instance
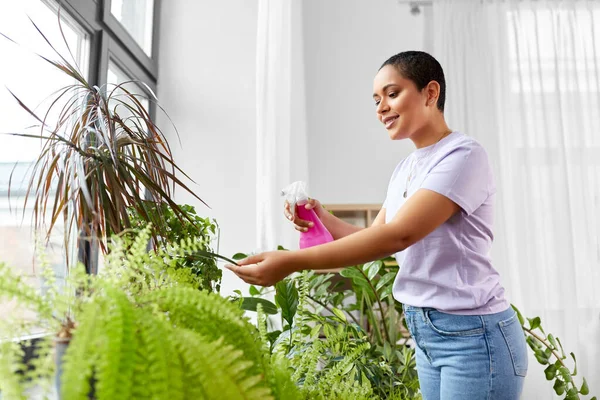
(468, 357)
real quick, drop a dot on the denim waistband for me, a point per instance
(496, 316)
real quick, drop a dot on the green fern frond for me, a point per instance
(43, 366)
(343, 366)
(116, 350)
(280, 379)
(11, 385)
(218, 371)
(13, 287)
(212, 316)
(80, 355)
(159, 373)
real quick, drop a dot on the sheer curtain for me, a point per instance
(523, 77)
(280, 107)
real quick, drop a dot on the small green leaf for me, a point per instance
(559, 387)
(542, 359)
(239, 256)
(534, 323)
(286, 298)
(250, 304)
(575, 361)
(584, 388)
(550, 372)
(565, 373)
(272, 336)
(552, 341)
(372, 269)
(562, 351)
(315, 331)
(519, 315)
(338, 313)
(572, 394)
(348, 368)
(253, 291)
(384, 280)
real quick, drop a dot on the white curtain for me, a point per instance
(280, 105)
(523, 77)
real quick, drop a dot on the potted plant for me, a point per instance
(142, 329)
(102, 156)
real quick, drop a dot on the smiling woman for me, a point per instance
(437, 220)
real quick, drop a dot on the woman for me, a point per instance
(437, 221)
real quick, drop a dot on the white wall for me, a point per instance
(345, 41)
(207, 76)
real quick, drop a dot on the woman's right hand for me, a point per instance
(300, 224)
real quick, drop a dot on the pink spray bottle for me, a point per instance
(296, 196)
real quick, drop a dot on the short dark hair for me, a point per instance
(421, 68)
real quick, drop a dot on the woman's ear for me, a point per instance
(432, 91)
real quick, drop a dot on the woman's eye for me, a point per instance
(393, 94)
(377, 102)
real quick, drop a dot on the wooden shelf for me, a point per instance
(357, 214)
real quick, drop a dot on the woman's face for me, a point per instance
(401, 107)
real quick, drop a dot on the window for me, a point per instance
(136, 18)
(31, 79)
(110, 41)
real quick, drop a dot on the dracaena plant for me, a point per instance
(102, 155)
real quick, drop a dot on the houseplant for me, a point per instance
(143, 330)
(358, 329)
(368, 307)
(204, 231)
(102, 155)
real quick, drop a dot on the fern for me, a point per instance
(42, 366)
(10, 363)
(212, 316)
(80, 356)
(116, 348)
(12, 287)
(159, 373)
(219, 370)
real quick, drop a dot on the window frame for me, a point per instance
(109, 40)
(118, 31)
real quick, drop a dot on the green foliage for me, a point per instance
(184, 225)
(102, 155)
(331, 340)
(548, 350)
(143, 330)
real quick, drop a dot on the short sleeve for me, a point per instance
(463, 175)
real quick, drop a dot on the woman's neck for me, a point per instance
(430, 134)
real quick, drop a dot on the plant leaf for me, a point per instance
(251, 303)
(550, 372)
(286, 297)
(339, 313)
(584, 388)
(534, 323)
(559, 387)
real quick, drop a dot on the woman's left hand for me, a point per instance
(265, 269)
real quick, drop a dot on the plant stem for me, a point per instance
(543, 341)
(330, 310)
(385, 328)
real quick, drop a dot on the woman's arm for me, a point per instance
(419, 216)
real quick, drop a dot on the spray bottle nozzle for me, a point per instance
(294, 193)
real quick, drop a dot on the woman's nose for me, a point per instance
(382, 107)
